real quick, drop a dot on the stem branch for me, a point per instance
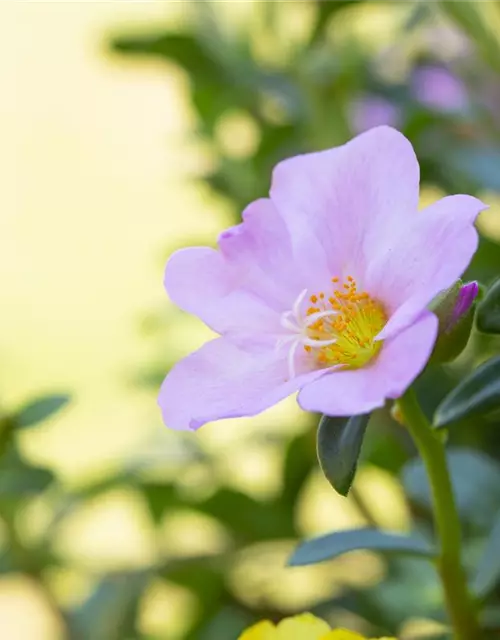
(460, 605)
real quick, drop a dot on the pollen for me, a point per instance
(341, 328)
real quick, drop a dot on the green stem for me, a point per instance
(459, 602)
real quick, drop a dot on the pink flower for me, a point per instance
(323, 288)
(439, 89)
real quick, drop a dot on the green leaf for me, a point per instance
(478, 394)
(110, 611)
(487, 574)
(160, 497)
(477, 164)
(20, 479)
(488, 311)
(39, 410)
(339, 444)
(298, 464)
(476, 485)
(247, 518)
(336, 544)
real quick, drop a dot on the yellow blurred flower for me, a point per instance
(303, 627)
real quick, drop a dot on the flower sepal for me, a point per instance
(455, 308)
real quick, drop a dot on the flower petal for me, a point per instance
(202, 282)
(424, 258)
(344, 634)
(264, 630)
(222, 380)
(354, 391)
(339, 203)
(260, 252)
(302, 627)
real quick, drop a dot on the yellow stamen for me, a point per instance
(355, 320)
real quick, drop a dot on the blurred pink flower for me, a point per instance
(372, 111)
(439, 89)
(322, 288)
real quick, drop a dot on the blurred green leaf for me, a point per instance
(476, 484)
(488, 311)
(410, 585)
(335, 544)
(110, 612)
(339, 443)
(298, 463)
(487, 573)
(160, 497)
(17, 478)
(478, 394)
(205, 579)
(40, 409)
(228, 622)
(247, 518)
(181, 48)
(478, 164)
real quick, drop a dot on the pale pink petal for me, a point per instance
(202, 282)
(221, 380)
(260, 252)
(355, 391)
(423, 259)
(339, 204)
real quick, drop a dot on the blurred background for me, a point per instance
(129, 129)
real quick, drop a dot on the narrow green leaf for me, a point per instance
(488, 570)
(488, 311)
(336, 544)
(339, 443)
(40, 410)
(477, 394)
(111, 610)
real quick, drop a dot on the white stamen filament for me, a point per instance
(319, 314)
(294, 321)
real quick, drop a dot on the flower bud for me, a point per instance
(454, 308)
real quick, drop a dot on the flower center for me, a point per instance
(338, 328)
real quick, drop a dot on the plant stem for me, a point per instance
(461, 608)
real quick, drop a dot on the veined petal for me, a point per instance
(354, 391)
(222, 380)
(423, 259)
(338, 204)
(260, 251)
(202, 282)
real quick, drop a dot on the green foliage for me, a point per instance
(488, 312)
(478, 394)
(339, 443)
(476, 484)
(336, 544)
(39, 410)
(487, 574)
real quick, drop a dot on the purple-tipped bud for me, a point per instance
(466, 296)
(455, 311)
